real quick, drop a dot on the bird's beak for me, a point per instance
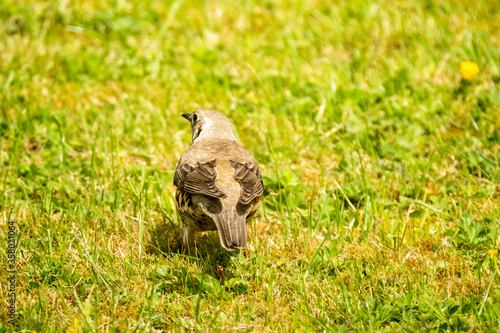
(188, 116)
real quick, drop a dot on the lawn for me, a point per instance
(381, 163)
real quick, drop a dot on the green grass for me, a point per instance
(381, 165)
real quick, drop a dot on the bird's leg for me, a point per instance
(187, 239)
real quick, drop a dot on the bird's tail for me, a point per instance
(232, 229)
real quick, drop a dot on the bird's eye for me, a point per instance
(195, 118)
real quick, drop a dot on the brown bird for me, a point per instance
(219, 184)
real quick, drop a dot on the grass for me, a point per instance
(381, 164)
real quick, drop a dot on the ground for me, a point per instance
(380, 154)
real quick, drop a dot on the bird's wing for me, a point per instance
(197, 178)
(250, 178)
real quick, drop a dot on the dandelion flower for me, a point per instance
(74, 327)
(469, 70)
(493, 252)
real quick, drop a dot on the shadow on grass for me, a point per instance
(166, 240)
(217, 277)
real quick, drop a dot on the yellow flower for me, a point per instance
(493, 252)
(469, 70)
(74, 327)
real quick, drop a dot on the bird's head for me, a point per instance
(209, 124)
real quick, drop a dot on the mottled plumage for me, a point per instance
(218, 182)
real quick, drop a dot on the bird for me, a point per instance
(219, 183)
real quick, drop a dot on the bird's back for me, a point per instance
(219, 185)
(208, 150)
